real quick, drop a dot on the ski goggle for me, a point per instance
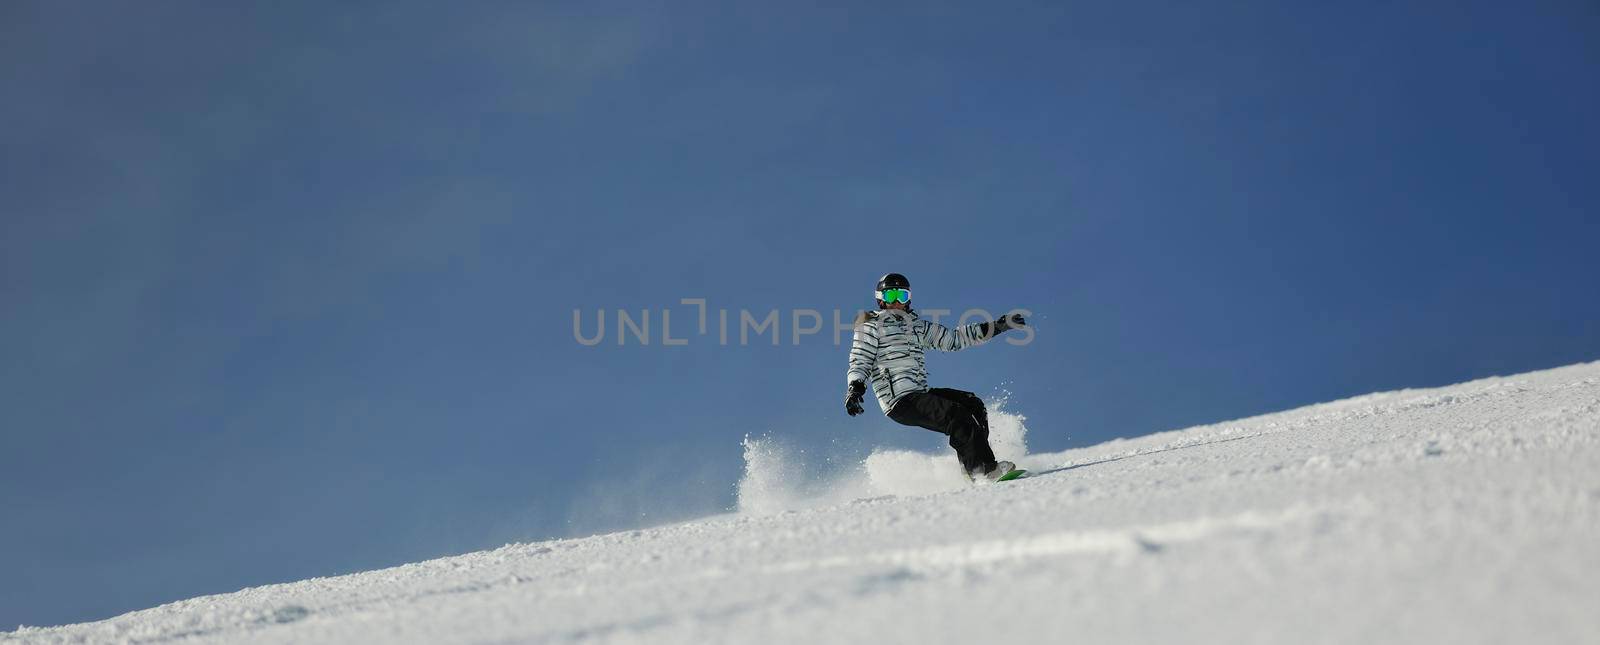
(894, 295)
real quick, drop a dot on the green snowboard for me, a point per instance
(1014, 474)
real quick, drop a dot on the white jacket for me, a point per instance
(887, 349)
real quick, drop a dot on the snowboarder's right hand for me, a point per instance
(852, 398)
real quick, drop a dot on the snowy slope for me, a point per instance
(1464, 514)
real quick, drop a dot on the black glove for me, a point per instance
(852, 397)
(1009, 321)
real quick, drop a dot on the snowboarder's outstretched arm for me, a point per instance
(945, 339)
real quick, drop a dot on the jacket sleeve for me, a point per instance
(863, 353)
(945, 339)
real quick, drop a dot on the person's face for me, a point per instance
(898, 298)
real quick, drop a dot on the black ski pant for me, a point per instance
(955, 413)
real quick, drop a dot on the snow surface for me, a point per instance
(1463, 514)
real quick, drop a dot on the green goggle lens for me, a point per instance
(896, 295)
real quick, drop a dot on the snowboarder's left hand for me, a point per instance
(1009, 321)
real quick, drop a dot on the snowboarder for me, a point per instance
(887, 348)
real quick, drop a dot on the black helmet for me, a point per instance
(893, 281)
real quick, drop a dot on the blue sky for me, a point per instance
(288, 290)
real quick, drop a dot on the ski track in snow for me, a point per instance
(1462, 514)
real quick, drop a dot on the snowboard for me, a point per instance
(1016, 473)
